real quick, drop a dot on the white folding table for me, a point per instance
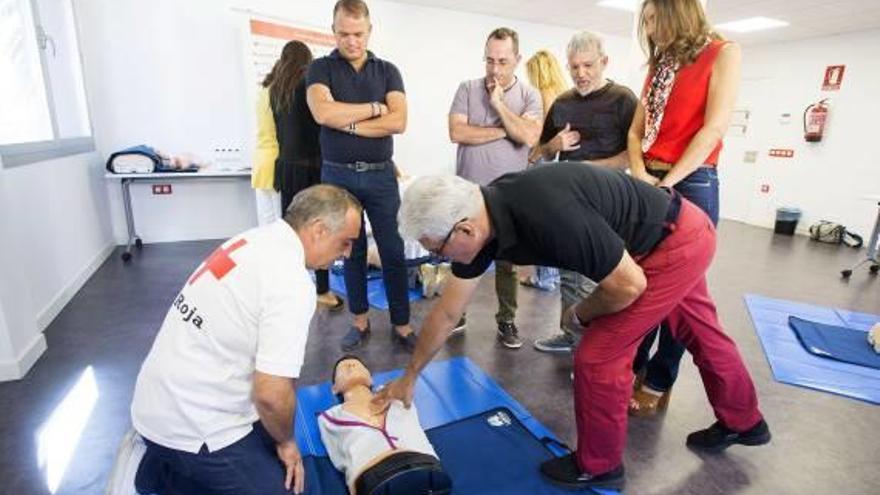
(127, 179)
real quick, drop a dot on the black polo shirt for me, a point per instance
(575, 216)
(602, 117)
(376, 79)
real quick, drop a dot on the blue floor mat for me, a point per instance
(792, 364)
(375, 290)
(446, 392)
(835, 342)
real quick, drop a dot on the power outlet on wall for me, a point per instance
(161, 188)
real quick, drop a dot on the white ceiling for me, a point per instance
(807, 18)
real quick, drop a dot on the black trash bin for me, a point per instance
(786, 220)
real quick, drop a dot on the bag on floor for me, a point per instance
(834, 233)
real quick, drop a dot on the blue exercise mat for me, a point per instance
(375, 286)
(375, 290)
(493, 453)
(834, 342)
(447, 392)
(792, 364)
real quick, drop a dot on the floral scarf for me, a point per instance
(655, 100)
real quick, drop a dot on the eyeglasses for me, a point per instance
(439, 251)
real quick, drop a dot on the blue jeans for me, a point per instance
(661, 371)
(378, 192)
(546, 278)
(249, 466)
(573, 288)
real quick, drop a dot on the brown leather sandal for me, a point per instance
(645, 404)
(638, 379)
(336, 306)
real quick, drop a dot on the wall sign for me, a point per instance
(833, 77)
(267, 39)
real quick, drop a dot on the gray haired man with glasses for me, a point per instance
(496, 120)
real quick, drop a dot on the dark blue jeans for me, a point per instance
(250, 466)
(661, 370)
(378, 192)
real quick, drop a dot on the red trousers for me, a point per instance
(676, 291)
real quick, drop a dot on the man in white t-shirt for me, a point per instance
(215, 397)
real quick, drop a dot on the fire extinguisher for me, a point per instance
(815, 116)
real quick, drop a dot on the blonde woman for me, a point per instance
(546, 76)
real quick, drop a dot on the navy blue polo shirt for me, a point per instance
(376, 79)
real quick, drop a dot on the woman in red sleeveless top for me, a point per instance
(674, 142)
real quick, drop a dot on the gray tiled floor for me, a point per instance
(822, 443)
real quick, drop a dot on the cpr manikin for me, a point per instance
(379, 452)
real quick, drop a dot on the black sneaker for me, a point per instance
(718, 437)
(408, 342)
(461, 326)
(561, 343)
(355, 339)
(564, 471)
(508, 335)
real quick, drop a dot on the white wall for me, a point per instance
(21, 342)
(56, 232)
(16, 322)
(168, 74)
(171, 74)
(9, 367)
(827, 180)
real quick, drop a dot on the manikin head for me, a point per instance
(350, 372)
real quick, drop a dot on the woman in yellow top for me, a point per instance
(265, 154)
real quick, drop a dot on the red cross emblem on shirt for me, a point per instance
(219, 263)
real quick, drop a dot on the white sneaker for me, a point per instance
(460, 327)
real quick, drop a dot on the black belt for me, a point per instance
(391, 466)
(361, 166)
